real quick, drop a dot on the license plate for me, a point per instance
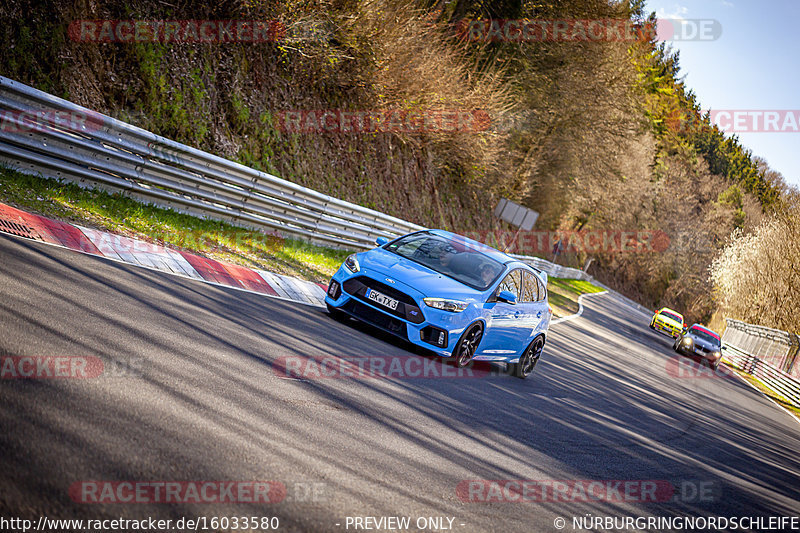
(382, 299)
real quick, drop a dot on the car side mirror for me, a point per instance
(380, 241)
(508, 297)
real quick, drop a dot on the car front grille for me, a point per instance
(407, 308)
(376, 318)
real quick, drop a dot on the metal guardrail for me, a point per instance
(118, 157)
(110, 154)
(776, 347)
(774, 378)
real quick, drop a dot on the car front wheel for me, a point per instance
(530, 357)
(467, 345)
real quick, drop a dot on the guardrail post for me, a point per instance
(791, 357)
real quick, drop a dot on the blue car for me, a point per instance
(448, 294)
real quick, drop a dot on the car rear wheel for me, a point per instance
(530, 357)
(467, 345)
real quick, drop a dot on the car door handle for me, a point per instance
(516, 314)
(539, 314)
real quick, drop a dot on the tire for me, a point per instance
(527, 362)
(715, 366)
(467, 345)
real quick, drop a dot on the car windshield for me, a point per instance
(451, 257)
(671, 316)
(704, 335)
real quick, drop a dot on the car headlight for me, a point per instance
(352, 263)
(454, 306)
(687, 341)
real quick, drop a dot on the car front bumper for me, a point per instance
(669, 329)
(435, 330)
(698, 354)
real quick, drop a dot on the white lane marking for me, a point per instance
(580, 308)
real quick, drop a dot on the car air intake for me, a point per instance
(435, 336)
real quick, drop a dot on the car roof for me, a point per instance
(705, 329)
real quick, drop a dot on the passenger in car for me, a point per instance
(487, 274)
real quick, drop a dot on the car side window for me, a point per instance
(512, 283)
(542, 289)
(530, 289)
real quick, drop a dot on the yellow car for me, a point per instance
(668, 321)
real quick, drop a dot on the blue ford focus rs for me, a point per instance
(451, 295)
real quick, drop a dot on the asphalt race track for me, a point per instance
(194, 389)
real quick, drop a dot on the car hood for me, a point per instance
(670, 321)
(426, 282)
(704, 343)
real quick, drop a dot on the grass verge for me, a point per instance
(563, 294)
(122, 215)
(760, 385)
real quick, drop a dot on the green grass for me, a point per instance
(563, 294)
(123, 215)
(760, 385)
(219, 240)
